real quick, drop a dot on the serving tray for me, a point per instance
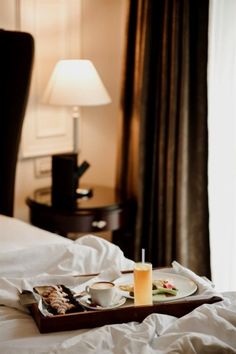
(127, 313)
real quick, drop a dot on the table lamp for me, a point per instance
(75, 83)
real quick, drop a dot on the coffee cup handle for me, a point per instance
(87, 289)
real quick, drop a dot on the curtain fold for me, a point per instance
(164, 138)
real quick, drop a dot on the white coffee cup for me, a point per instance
(102, 293)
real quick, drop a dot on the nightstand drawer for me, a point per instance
(99, 221)
(79, 222)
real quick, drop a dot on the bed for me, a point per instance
(34, 255)
(30, 256)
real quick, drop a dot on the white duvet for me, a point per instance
(28, 255)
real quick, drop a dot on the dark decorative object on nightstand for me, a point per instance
(65, 179)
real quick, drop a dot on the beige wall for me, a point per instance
(7, 14)
(103, 25)
(102, 40)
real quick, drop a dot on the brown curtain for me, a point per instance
(164, 138)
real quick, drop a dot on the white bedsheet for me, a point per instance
(208, 329)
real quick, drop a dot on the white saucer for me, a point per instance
(86, 302)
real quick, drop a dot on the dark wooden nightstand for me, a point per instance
(104, 210)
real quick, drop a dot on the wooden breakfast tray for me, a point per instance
(127, 313)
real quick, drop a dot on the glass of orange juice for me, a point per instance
(143, 283)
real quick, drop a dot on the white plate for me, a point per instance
(86, 302)
(185, 286)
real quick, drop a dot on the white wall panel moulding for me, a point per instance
(56, 27)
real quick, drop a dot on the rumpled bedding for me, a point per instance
(37, 255)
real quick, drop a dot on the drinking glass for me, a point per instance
(143, 283)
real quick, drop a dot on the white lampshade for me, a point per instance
(75, 82)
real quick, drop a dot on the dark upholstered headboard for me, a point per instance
(16, 60)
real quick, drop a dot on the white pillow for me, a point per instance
(16, 234)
